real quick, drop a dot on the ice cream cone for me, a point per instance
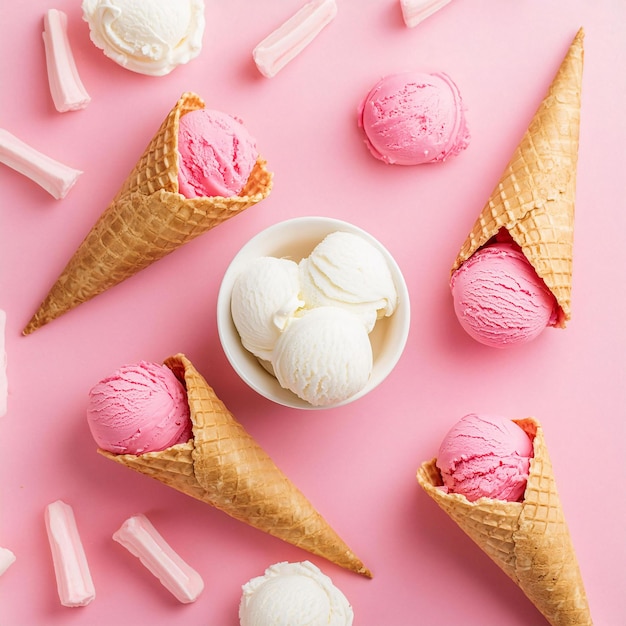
(224, 466)
(529, 540)
(534, 199)
(146, 220)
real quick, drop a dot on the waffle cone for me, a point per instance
(534, 199)
(529, 540)
(223, 466)
(145, 221)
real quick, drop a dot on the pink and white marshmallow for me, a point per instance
(74, 582)
(290, 39)
(143, 540)
(66, 88)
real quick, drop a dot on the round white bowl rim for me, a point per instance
(265, 243)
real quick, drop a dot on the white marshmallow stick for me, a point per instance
(74, 582)
(57, 179)
(416, 11)
(4, 385)
(7, 558)
(141, 538)
(287, 41)
(66, 88)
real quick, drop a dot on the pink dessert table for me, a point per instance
(356, 463)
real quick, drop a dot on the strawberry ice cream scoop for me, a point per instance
(413, 118)
(485, 456)
(499, 299)
(140, 408)
(216, 154)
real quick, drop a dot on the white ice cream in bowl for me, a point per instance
(313, 313)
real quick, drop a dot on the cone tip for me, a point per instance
(39, 319)
(31, 327)
(190, 96)
(577, 42)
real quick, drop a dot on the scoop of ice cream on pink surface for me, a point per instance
(140, 408)
(499, 299)
(485, 456)
(413, 118)
(216, 154)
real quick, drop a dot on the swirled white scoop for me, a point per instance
(146, 37)
(347, 271)
(264, 298)
(293, 594)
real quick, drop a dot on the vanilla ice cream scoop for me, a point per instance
(264, 297)
(146, 37)
(293, 594)
(323, 356)
(347, 271)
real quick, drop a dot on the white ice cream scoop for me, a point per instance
(293, 594)
(346, 270)
(264, 298)
(324, 356)
(146, 37)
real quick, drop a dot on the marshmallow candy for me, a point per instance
(66, 88)
(7, 558)
(288, 41)
(57, 179)
(416, 11)
(74, 582)
(141, 538)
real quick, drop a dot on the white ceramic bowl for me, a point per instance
(295, 239)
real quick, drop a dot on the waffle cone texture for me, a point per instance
(147, 219)
(223, 466)
(534, 199)
(528, 540)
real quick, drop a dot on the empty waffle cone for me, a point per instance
(529, 540)
(146, 220)
(223, 466)
(534, 199)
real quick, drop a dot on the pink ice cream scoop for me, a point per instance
(140, 408)
(413, 118)
(499, 299)
(485, 456)
(216, 154)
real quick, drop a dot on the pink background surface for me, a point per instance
(357, 464)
